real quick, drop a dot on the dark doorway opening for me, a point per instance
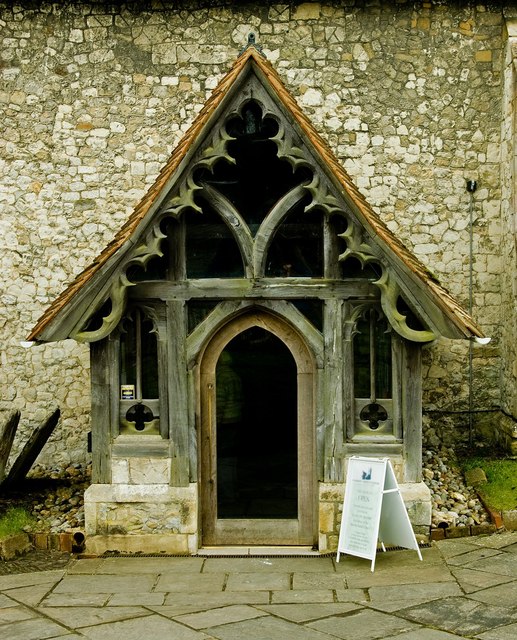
(256, 400)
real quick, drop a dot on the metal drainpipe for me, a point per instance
(471, 188)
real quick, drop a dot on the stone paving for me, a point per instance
(463, 588)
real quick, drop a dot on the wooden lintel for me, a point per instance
(262, 288)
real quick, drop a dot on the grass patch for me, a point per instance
(500, 492)
(13, 521)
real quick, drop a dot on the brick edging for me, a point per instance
(440, 533)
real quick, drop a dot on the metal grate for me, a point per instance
(112, 554)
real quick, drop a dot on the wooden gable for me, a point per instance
(102, 288)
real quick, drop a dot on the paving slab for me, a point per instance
(13, 614)
(366, 624)
(389, 599)
(151, 565)
(398, 575)
(318, 581)
(267, 628)
(258, 581)
(502, 595)
(454, 547)
(75, 600)
(106, 584)
(223, 615)
(504, 564)
(152, 626)
(305, 595)
(497, 540)
(427, 634)
(175, 610)
(306, 612)
(85, 565)
(507, 632)
(471, 580)
(460, 615)
(267, 565)
(6, 602)
(472, 556)
(31, 595)
(352, 595)
(33, 629)
(28, 579)
(135, 599)
(207, 600)
(76, 617)
(190, 583)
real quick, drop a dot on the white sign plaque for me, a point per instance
(373, 510)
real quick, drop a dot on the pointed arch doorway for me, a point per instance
(257, 435)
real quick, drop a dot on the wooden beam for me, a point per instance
(412, 411)
(102, 407)
(31, 450)
(264, 288)
(178, 394)
(333, 392)
(7, 433)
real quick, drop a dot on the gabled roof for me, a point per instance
(458, 322)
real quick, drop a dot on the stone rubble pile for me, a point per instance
(454, 504)
(60, 509)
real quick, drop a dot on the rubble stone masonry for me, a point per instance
(415, 98)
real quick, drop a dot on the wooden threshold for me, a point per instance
(261, 551)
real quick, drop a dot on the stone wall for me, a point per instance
(94, 96)
(509, 245)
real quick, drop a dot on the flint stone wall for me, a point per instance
(94, 96)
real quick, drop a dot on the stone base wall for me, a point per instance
(163, 519)
(149, 518)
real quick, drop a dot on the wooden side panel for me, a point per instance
(412, 410)
(397, 350)
(332, 392)
(306, 459)
(163, 370)
(193, 421)
(178, 394)
(101, 359)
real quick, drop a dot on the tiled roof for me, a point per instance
(448, 305)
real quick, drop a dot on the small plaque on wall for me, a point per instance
(127, 391)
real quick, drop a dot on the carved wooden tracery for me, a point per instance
(311, 192)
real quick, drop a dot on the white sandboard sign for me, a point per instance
(373, 510)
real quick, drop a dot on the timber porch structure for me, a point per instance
(252, 326)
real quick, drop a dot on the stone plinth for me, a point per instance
(147, 518)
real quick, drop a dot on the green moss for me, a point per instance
(500, 492)
(14, 520)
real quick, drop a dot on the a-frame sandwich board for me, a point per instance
(373, 511)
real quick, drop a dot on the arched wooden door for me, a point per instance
(257, 435)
